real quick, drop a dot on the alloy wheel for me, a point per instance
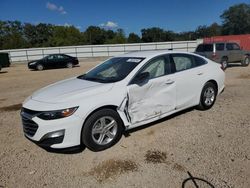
(104, 130)
(209, 96)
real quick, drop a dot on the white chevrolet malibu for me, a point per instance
(124, 92)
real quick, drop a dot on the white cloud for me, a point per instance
(67, 25)
(54, 7)
(109, 25)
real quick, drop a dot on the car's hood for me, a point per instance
(70, 90)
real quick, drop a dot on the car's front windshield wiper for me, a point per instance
(84, 77)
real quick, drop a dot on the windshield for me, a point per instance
(112, 70)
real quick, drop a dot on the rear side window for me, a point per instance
(229, 46)
(208, 47)
(235, 46)
(60, 56)
(200, 48)
(199, 61)
(205, 48)
(186, 61)
(220, 46)
(182, 61)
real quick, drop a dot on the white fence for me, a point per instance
(98, 50)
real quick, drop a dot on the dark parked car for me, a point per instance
(53, 61)
(224, 53)
(4, 60)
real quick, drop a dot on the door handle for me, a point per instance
(200, 73)
(169, 82)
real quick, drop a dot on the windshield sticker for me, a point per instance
(134, 60)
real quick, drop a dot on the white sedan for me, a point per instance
(124, 92)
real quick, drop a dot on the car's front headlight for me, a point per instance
(57, 114)
(33, 63)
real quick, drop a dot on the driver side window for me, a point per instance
(50, 57)
(156, 68)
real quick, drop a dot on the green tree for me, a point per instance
(236, 19)
(95, 35)
(133, 38)
(66, 36)
(156, 34)
(11, 35)
(37, 35)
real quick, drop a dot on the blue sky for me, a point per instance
(130, 15)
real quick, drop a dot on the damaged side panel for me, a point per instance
(152, 99)
(123, 112)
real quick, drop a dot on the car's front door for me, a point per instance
(61, 60)
(51, 61)
(156, 95)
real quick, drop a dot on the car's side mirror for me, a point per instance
(140, 78)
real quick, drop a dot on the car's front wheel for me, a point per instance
(69, 65)
(246, 61)
(102, 130)
(208, 96)
(39, 67)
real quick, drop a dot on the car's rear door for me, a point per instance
(234, 52)
(155, 97)
(189, 78)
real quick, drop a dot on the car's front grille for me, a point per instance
(29, 126)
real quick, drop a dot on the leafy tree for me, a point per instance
(65, 36)
(156, 34)
(153, 34)
(95, 35)
(119, 37)
(11, 35)
(37, 35)
(133, 38)
(109, 34)
(236, 19)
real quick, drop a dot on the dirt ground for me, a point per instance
(213, 146)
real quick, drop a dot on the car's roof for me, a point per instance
(217, 42)
(58, 54)
(149, 54)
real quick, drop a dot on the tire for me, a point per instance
(208, 96)
(0, 67)
(69, 65)
(97, 135)
(39, 67)
(224, 63)
(245, 62)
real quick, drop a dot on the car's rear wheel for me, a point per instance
(69, 65)
(102, 130)
(245, 62)
(224, 63)
(208, 96)
(39, 67)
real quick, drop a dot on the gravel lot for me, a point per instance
(213, 145)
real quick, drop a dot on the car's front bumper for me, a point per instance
(54, 134)
(32, 66)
